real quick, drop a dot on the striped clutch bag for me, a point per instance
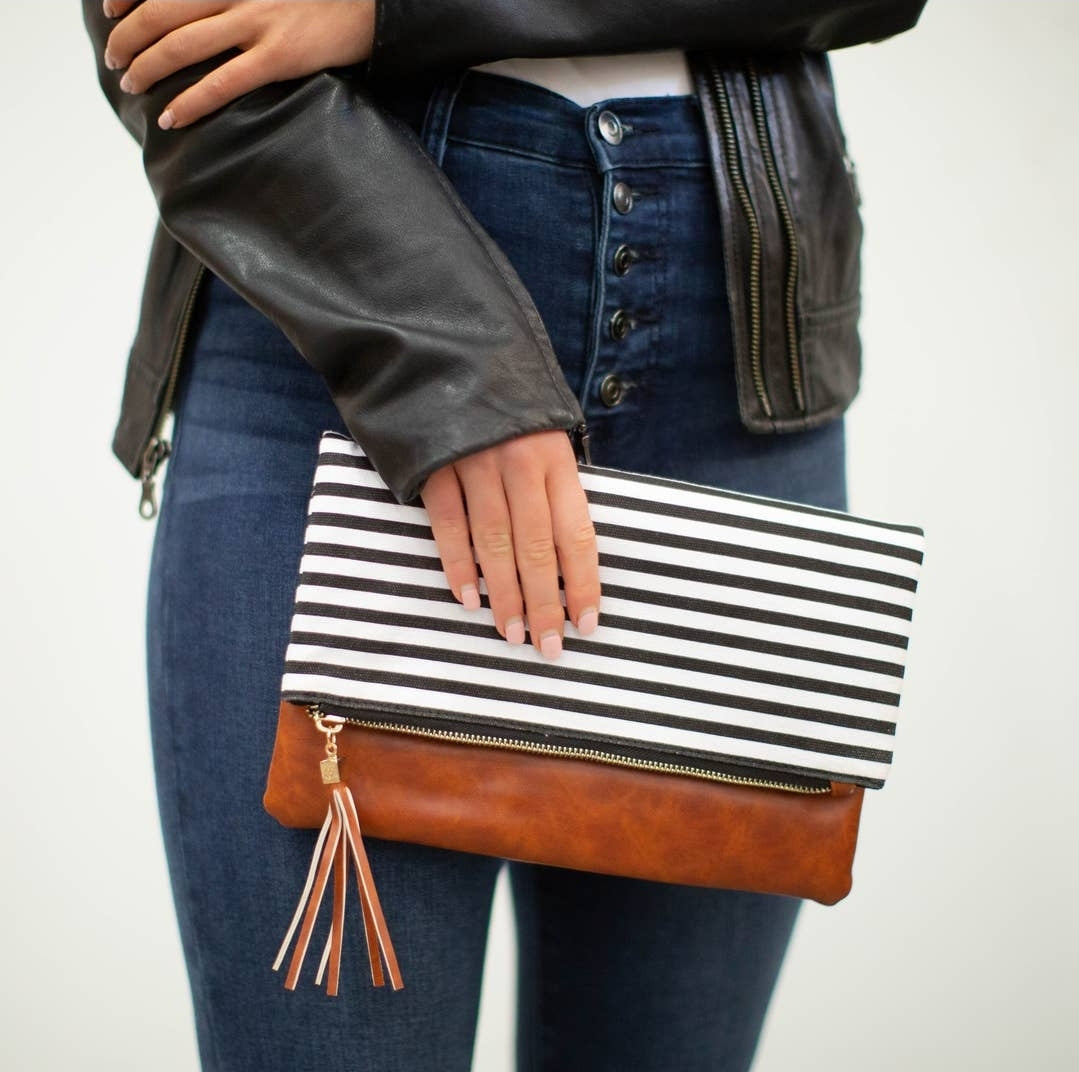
(749, 651)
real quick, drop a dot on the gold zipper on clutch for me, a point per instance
(593, 755)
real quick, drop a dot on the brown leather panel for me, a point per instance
(572, 813)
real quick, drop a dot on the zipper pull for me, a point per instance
(148, 500)
(330, 767)
(582, 442)
(339, 848)
(157, 450)
(852, 174)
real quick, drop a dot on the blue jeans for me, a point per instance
(615, 974)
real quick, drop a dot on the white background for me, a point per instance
(959, 945)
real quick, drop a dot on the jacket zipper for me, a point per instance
(581, 439)
(791, 288)
(157, 447)
(734, 168)
(317, 714)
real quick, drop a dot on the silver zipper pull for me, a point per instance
(582, 442)
(148, 501)
(157, 450)
(852, 174)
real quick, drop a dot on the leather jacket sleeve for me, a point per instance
(415, 36)
(325, 213)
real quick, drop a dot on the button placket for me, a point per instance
(624, 259)
(610, 127)
(614, 387)
(620, 324)
(622, 197)
(612, 390)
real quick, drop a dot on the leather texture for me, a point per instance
(340, 843)
(413, 36)
(324, 212)
(571, 813)
(806, 143)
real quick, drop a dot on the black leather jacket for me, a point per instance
(316, 205)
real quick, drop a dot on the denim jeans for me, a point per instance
(615, 974)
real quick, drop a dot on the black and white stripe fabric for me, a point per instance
(736, 633)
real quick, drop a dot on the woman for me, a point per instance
(433, 355)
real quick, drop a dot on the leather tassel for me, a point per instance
(339, 844)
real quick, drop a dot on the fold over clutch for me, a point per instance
(717, 729)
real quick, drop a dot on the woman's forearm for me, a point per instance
(327, 216)
(413, 36)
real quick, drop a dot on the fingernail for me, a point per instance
(108, 9)
(125, 83)
(587, 621)
(470, 597)
(551, 645)
(515, 631)
(166, 119)
(110, 62)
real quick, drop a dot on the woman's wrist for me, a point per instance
(277, 40)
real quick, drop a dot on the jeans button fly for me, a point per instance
(612, 390)
(610, 128)
(620, 324)
(623, 259)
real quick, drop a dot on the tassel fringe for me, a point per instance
(339, 841)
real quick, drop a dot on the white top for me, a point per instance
(587, 79)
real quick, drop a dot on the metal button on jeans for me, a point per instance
(623, 259)
(610, 128)
(620, 324)
(622, 196)
(612, 390)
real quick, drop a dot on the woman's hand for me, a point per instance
(279, 39)
(520, 504)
